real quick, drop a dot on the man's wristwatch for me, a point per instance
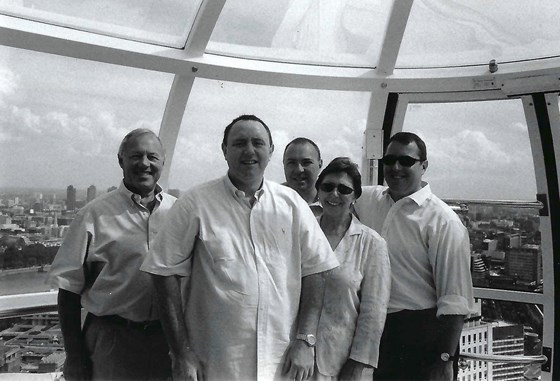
(309, 338)
(445, 357)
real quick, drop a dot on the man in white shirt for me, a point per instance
(252, 254)
(429, 248)
(302, 164)
(97, 267)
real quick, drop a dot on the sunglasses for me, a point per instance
(329, 187)
(405, 161)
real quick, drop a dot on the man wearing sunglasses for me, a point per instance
(431, 291)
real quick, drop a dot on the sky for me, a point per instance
(62, 119)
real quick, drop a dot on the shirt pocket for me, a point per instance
(227, 263)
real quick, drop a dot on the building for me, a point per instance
(10, 359)
(70, 198)
(34, 345)
(91, 192)
(508, 340)
(492, 338)
(525, 263)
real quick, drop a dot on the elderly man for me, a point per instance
(430, 260)
(97, 267)
(302, 164)
(254, 254)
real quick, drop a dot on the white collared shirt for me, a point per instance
(355, 301)
(103, 250)
(245, 264)
(429, 250)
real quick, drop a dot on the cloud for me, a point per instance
(8, 82)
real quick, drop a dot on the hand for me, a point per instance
(187, 367)
(441, 371)
(300, 361)
(352, 371)
(77, 367)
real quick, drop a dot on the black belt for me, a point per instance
(150, 326)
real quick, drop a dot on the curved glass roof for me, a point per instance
(434, 33)
(470, 32)
(161, 22)
(332, 32)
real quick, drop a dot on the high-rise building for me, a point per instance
(508, 340)
(492, 338)
(525, 263)
(475, 338)
(91, 191)
(70, 198)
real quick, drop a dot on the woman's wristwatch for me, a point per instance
(309, 338)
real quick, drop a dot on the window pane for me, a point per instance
(476, 150)
(165, 22)
(61, 123)
(335, 120)
(445, 33)
(506, 246)
(504, 328)
(481, 151)
(333, 32)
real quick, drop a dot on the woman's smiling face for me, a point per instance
(335, 202)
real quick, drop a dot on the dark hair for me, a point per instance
(406, 138)
(302, 141)
(343, 164)
(245, 117)
(134, 134)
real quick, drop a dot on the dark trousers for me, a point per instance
(120, 351)
(408, 347)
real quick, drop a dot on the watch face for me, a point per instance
(311, 340)
(445, 356)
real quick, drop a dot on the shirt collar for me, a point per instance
(354, 227)
(239, 193)
(136, 197)
(418, 197)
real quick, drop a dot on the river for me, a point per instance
(23, 282)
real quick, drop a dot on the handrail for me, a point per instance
(519, 359)
(510, 203)
(27, 304)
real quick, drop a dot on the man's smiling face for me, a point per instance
(404, 181)
(247, 152)
(142, 162)
(301, 166)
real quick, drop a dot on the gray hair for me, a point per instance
(134, 134)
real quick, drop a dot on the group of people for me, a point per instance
(242, 278)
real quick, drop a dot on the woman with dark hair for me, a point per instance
(357, 292)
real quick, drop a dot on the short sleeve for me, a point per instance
(67, 270)
(171, 251)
